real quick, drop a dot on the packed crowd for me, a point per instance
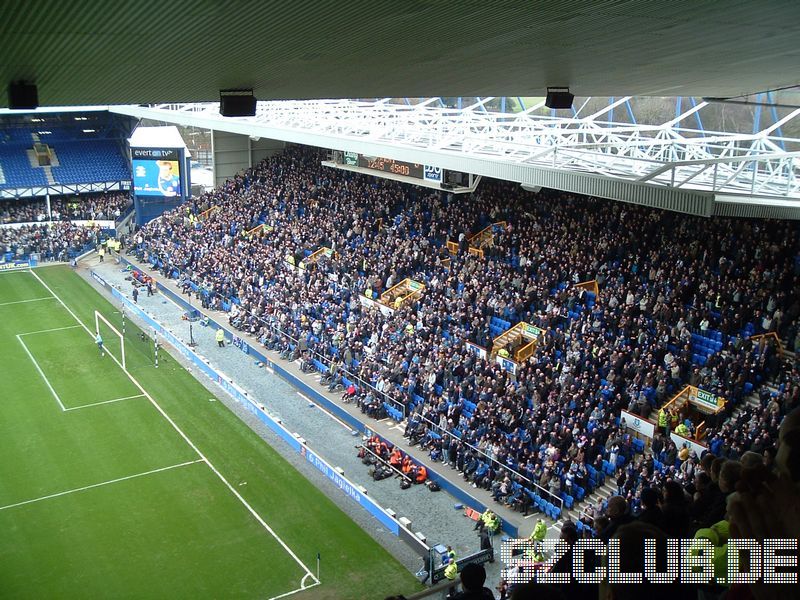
(99, 207)
(662, 276)
(59, 241)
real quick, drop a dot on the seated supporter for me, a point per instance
(629, 345)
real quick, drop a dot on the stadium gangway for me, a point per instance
(704, 403)
(589, 286)
(521, 330)
(399, 294)
(762, 338)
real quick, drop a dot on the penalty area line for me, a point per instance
(103, 402)
(180, 432)
(26, 301)
(39, 369)
(101, 484)
(49, 330)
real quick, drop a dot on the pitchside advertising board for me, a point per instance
(647, 428)
(156, 171)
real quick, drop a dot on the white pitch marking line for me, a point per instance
(103, 402)
(25, 301)
(38, 368)
(10, 271)
(48, 330)
(330, 414)
(246, 504)
(300, 589)
(96, 485)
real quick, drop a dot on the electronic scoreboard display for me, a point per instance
(390, 165)
(156, 172)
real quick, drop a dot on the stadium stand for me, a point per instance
(17, 169)
(553, 427)
(90, 162)
(97, 206)
(78, 149)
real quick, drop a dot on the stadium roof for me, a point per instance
(150, 52)
(166, 136)
(667, 165)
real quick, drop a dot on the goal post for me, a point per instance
(98, 318)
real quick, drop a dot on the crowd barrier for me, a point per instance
(341, 482)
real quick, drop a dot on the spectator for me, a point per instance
(558, 409)
(675, 511)
(473, 577)
(651, 511)
(618, 512)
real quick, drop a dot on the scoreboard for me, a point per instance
(393, 166)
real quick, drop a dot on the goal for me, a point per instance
(105, 328)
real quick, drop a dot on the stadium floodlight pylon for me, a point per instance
(99, 317)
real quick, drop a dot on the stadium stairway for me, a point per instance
(752, 399)
(597, 498)
(389, 429)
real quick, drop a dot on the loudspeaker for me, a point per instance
(22, 95)
(558, 98)
(237, 103)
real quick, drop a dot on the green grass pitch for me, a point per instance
(104, 495)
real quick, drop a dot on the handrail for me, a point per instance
(700, 431)
(525, 352)
(205, 213)
(589, 286)
(500, 465)
(773, 335)
(124, 215)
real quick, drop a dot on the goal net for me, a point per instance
(145, 340)
(113, 340)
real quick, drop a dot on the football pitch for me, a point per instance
(132, 483)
